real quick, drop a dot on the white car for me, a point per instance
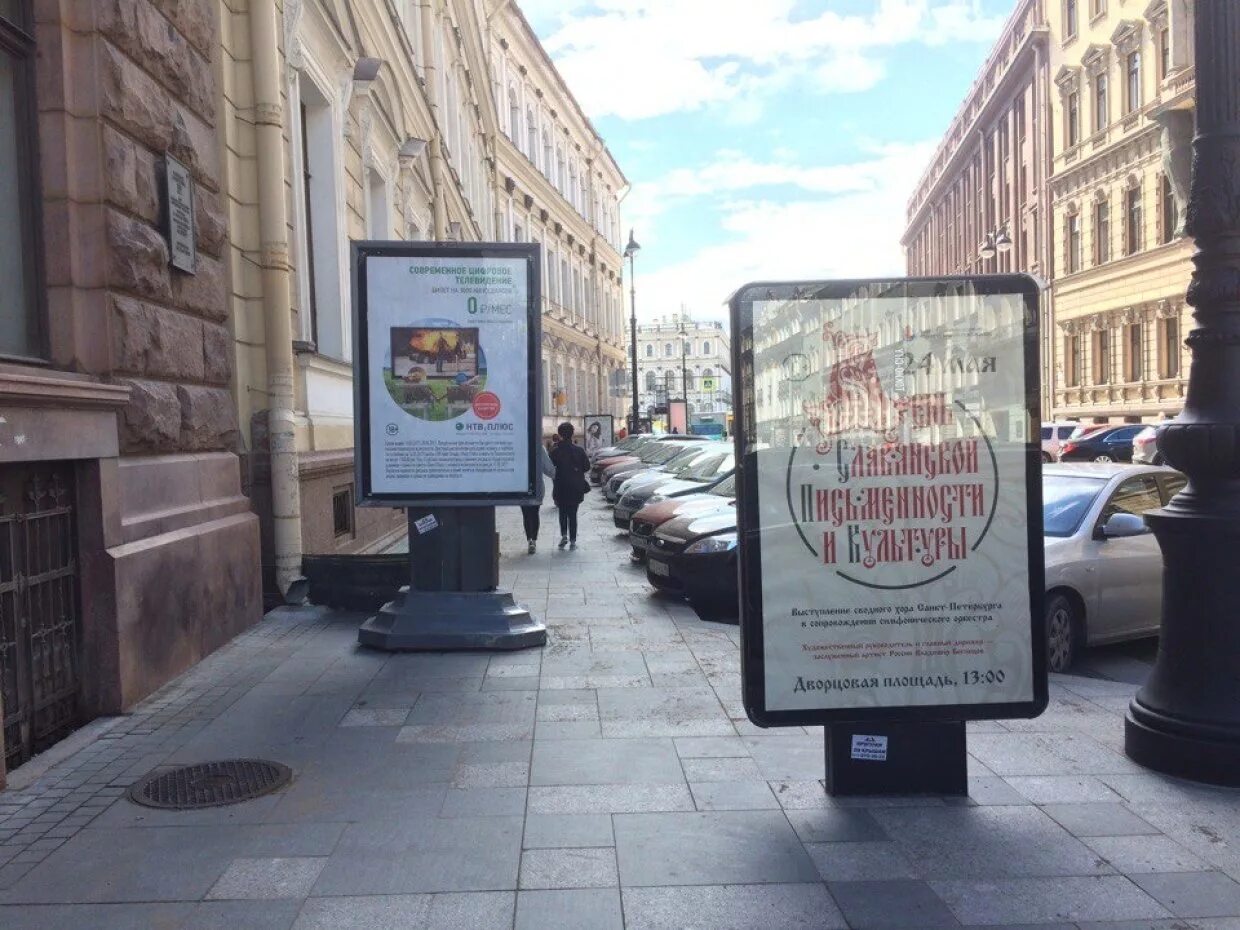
(1053, 436)
(1103, 565)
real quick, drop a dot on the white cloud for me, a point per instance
(642, 58)
(851, 228)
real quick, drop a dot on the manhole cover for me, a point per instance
(210, 784)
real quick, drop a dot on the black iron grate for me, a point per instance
(210, 784)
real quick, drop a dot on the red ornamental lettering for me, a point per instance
(828, 548)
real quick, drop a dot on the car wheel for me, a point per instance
(1046, 458)
(1103, 457)
(1062, 633)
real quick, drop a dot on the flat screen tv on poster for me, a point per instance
(446, 341)
(889, 500)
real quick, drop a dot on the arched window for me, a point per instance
(649, 350)
(669, 382)
(514, 116)
(651, 381)
(708, 372)
(531, 129)
(667, 350)
(706, 347)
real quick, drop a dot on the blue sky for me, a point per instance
(766, 138)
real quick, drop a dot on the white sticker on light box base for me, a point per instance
(426, 524)
(869, 748)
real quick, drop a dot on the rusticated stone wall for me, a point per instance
(125, 81)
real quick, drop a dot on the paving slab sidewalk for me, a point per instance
(607, 780)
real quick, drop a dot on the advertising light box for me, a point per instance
(446, 342)
(889, 500)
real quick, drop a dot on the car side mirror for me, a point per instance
(1122, 525)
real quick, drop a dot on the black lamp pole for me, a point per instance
(684, 372)
(1186, 720)
(630, 250)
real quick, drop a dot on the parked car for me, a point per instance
(699, 473)
(1145, 447)
(718, 496)
(1109, 444)
(678, 465)
(695, 557)
(674, 455)
(654, 452)
(1053, 435)
(1103, 565)
(623, 447)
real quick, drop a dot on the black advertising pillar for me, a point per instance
(889, 512)
(447, 343)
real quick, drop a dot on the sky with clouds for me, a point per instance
(766, 139)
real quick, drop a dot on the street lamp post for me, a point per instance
(630, 251)
(684, 371)
(1186, 720)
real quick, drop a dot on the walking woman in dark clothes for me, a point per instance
(529, 514)
(569, 488)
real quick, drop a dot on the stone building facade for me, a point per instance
(558, 185)
(986, 184)
(1122, 133)
(129, 549)
(707, 354)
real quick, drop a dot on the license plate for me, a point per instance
(661, 569)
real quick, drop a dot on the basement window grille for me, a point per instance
(342, 511)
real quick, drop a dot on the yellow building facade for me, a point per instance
(559, 186)
(389, 119)
(1122, 125)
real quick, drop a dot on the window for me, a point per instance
(1075, 257)
(1134, 353)
(706, 347)
(20, 268)
(1102, 356)
(669, 382)
(649, 350)
(1170, 211)
(514, 117)
(320, 276)
(1102, 116)
(651, 380)
(708, 372)
(1102, 233)
(342, 512)
(548, 164)
(559, 170)
(1136, 495)
(1073, 361)
(1164, 53)
(1132, 68)
(1169, 331)
(1097, 8)
(531, 129)
(379, 219)
(1074, 119)
(1133, 220)
(518, 233)
(1069, 18)
(688, 381)
(667, 350)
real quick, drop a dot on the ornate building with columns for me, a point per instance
(559, 186)
(1122, 130)
(707, 366)
(981, 206)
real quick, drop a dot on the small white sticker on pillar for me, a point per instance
(426, 524)
(869, 748)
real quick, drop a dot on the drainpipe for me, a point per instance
(277, 310)
(439, 207)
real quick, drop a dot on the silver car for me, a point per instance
(1103, 565)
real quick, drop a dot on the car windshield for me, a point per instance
(681, 464)
(710, 468)
(660, 453)
(726, 487)
(1065, 501)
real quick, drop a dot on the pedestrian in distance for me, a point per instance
(529, 512)
(570, 486)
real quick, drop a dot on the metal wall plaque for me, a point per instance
(179, 212)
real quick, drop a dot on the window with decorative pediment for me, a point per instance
(1075, 256)
(1068, 81)
(1102, 232)
(1073, 358)
(1134, 220)
(1127, 41)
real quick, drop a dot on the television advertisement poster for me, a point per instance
(446, 342)
(890, 500)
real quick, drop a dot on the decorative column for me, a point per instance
(1186, 720)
